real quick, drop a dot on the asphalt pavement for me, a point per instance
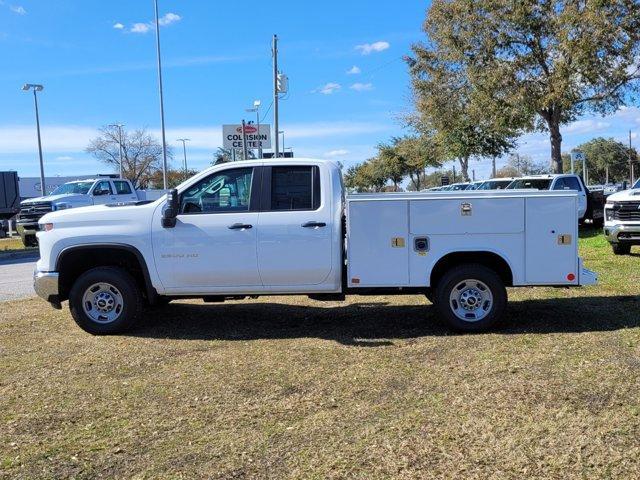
(16, 278)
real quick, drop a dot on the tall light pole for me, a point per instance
(256, 109)
(184, 150)
(281, 132)
(119, 127)
(275, 93)
(164, 141)
(37, 88)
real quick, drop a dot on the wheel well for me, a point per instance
(74, 262)
(489, 259)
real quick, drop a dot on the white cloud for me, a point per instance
(361, 87)
(64, 158)
(367, 48)
(341, 152)
(328, 88)
(18, 9)
(139, 27)
(168, 19)
(355, 70)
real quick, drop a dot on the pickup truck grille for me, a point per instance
(33, 211)
(629, 211)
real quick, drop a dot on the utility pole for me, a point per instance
(473, 174)
(184, 151)
(493, 167)
(245, 153)
(164, 141)
(454, 172)
(37, 88)
(275, 94)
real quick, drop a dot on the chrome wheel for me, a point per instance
(471, 300)
(102, 302)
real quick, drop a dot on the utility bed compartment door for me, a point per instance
(551, 241)
(461, 215)
(378, 243)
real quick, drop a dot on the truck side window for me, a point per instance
(571, 183)
(295, 188)
(102, 188)
(122, 187)
(226, 191)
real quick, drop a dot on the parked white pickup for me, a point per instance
(80, 193)
(285, 227)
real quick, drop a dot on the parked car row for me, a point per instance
(590, 203)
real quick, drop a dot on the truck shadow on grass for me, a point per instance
(377, 324)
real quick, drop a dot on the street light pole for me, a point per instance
(184, 150)
(245, 152)
(119, 127)
(256, 109)
(37, 88)
(275, 93)
(164, 141)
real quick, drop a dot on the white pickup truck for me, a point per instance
(283, 227)
(622, 220)
(105, 189)
(590, 203)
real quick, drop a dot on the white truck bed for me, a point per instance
(536, 234)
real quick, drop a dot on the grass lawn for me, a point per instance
(11, 245)
(285, 387)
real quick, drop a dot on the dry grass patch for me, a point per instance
(285, 387)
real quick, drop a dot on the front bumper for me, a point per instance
(46, 286)
(623, 233)
(26, 229)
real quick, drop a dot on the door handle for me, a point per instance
(314, 224)
(240, 226)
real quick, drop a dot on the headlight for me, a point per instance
(60, 206)
(46, 227)
(608, 214)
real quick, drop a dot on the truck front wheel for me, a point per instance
(471, 298)
(621, 248)
(105, 300)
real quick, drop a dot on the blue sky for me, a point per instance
(96, 60)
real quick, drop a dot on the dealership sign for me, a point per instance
(232, 136)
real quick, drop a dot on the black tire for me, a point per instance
(430, 294)
(129, 295)
(598, 222)
(487, 279)
(30, 241)
(621, 248)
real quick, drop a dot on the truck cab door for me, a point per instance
(295, 227)
(212, 248)
(123, 191)
(102, 193)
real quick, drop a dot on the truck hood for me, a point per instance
(99, 215)
(64, 197)
(626, 195)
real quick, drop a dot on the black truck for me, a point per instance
(9, 199)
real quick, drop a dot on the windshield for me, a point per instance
(459, 186)
(637, 184)
(494, 185)
(531, 183)
(73, 187)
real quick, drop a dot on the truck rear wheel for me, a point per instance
(471, 298)
(105, 301)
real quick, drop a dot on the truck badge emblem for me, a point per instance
(465, 209)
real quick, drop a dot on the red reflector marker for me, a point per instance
(571, 277)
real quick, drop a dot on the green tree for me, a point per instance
(369, 176)
(605, 155)
(538, 64)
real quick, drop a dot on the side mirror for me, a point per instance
(171, 211)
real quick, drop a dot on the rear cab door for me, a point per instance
(102, 193)
(571, 183)
(295, 226)
(123, 191)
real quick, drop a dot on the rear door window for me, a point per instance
(122, 187)
(295, 188)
